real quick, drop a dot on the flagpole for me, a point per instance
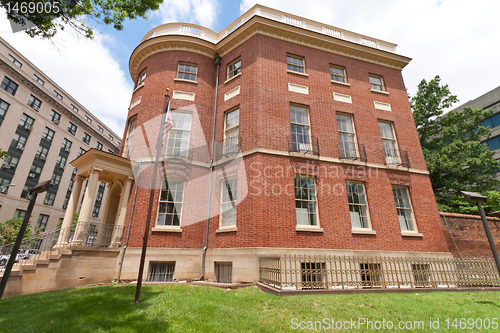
(159, 145)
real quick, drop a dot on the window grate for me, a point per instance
(161, 272)
(224, 272)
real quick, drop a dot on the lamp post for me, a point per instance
(39, 188)
(478, 198)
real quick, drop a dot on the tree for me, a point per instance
(73, 225)
(455, 157)
(49, 16)
(10, 229)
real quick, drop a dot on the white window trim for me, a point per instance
(396, 146)
(384, 90)
(229, 228)
(369, 229)
(407, 232)
(227, 69)
(169, 228)
(353, 132)
(173, 128)
(308, 126)
(308, 228)
(345, 74)
(295, 72)
(225, 122)
(185, 80)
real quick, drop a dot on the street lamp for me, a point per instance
(39, 188)
(478, 198)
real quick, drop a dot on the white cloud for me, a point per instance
(85, 69)
(456, 39)
(202, 12)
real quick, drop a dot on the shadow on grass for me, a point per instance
(96, 309)
(489, 303)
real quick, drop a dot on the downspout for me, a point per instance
(129, 222)
(204, 253)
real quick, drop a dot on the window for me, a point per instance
(347, 136)
(37, 79)
(223, 272)
(110, 137)
(178, 136)
(41, 153)
(34, 103)
(55, 117)
(161, 271)
(313, 275)
(305, 201)
(49, 199)
(58, 95)
(187, 72)
(4, 106)
(371, 274)
(48, 134)
(72, 128)
(295, 64)
(20, 213)
(403, 206)
(35, 170)
(56, 179)
(231, 132)
(98, 200)
(26, 121)
(129, 137)
(66, 145)
(337, 74)
(100, 129)
(15, 61)
(25, 194)
(42, 222)
(74, 108)
(420, 273)
(4, 184)
(110, 151)
(98, 145)
(358, 207)
(10, 162)
(86, 138)
(234, 68)
(299, 117)
(389, 142)
(19, 141)
(377, 83)
(170, 204)
(61, 162)
(9, 86)
(228, 202)
(142, 78)
(81, 151)
(88, 119)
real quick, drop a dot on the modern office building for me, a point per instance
(314, 152)
(43, 128)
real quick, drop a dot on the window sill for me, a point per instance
(139, 87)
(411, 234)
(167, 229)
(308, 228)
(298, 73)
(237, 75)
(379, 92)
(226, 229)
(341, 83)
(184, 80)
(363, 232)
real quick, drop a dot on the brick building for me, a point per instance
(315, 149)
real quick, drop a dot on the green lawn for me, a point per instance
(189, 308)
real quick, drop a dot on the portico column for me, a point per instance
(69, 216)
(86, 210)
(122, 211)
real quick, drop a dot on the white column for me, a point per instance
(122, 212)
(69, 216)
(86, 210)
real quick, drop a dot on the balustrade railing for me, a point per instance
(304, 144)
(352, 151)
(396, 157)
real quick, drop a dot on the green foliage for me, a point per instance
(3, 154)
(10, 229)
(455, 157)
(75, 221)
(72, 13)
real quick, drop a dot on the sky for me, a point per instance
(459, 40)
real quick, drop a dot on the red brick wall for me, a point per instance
(269, 220)
(466, 236)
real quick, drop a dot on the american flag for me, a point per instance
(167, 125)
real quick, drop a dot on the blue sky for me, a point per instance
(457, 39)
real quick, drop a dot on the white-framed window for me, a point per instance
(58, 95)
(231, 131)
(15, 61)
(337, 74)
(229, 196)
(389, 142)
(178, 136)
(404, 208)
(306, 205)
(187, 71)
(358, 205)
(142, 78)
(376, 82)
(301, 134)
(234, 68)
(129, 137)
(295, 63)
(170, 203)
(347, 136)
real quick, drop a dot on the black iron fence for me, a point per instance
(397, 157)
(352, 151)
(303, 144)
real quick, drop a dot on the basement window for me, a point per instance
(161, 271)
(313, 274)
(224, 272)
(371, 274)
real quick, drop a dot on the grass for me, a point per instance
(189, 308)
